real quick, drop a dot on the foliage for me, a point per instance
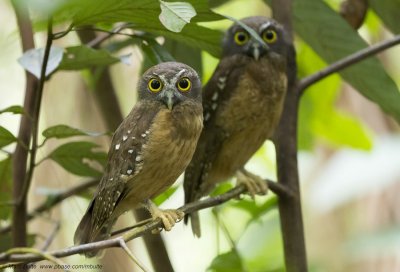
(168, 30)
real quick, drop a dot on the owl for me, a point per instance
(242, 104)
(149, 150)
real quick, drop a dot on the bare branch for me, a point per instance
(131, 256)
(132, 234)
(346, 62)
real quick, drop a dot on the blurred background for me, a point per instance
(349, 162)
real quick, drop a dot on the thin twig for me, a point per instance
(51, 237)
(99, 39)
(55, 199)
(346, 62)
(38, 102)
(131, 256)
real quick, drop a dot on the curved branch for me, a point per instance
(346, 62)
(132, 234)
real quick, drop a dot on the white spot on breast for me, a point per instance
(214, 106)
(133, 138)
(117, 146)
(138, 158)
(129, 171)
(221, 82)
(207, 116)
(147, 131)
(129, 131)
(124, 138)
(130, 151)
(215, 96)
(144, 135)
(111, 178)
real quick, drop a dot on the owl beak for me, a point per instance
(169, 98)
(257, 49)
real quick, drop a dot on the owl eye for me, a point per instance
(241, 37)
(270, 36)
(154, 85)
(184, 84)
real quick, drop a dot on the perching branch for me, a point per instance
(7, 258)
(346, 62)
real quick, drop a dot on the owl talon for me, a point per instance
(168, 217)
(254, 184)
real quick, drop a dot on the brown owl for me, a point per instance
(242, 103)
(149, 150)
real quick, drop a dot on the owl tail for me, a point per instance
(86, 233)
(195, 223)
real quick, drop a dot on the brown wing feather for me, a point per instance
(123, 162)
(216, 91)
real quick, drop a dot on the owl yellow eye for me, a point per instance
(241, 37)
(154, 85)
(270, 36)
(184, 84)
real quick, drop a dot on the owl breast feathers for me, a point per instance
(150, 149)
(242, 103)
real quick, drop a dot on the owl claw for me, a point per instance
(168, 217)
(254, 184)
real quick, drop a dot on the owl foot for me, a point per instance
(254, 184)
(168, 217)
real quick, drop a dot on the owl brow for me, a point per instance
(264, 27)
(178, 75)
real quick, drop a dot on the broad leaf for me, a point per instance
(73, 158)
(5, 187)
(16, 109)
(82, 57)
(155, 54)
(227, 262)
(32, 60)
(6, 137)
(332, 38)
(388, 11)
(254, 209)
(64, 131)
(175, 15)
(143, 14)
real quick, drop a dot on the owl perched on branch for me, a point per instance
(149, 150)
(242, 104)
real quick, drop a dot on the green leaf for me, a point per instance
(6, 137)
(388, 11)
(143, 14)
(164, 196)
(319, 117)
(175, 15)
(32, 60)
(222, 188)
(332, 38)
(64, 131)
(6, 243)
(227, 262)
(16, 109)
(5, 188)
(82, 57)
(72, 156)
(155, 54)
(254, 209)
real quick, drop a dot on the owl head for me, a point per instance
(170, 83)
(238, 41)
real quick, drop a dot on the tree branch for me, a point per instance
(132, 234)
(21, 153)
(346, 62)
(286, 152)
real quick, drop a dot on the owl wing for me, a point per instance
(123, 162)
(216, 93)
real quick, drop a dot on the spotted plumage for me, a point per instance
(242, 104)
(149, 150)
